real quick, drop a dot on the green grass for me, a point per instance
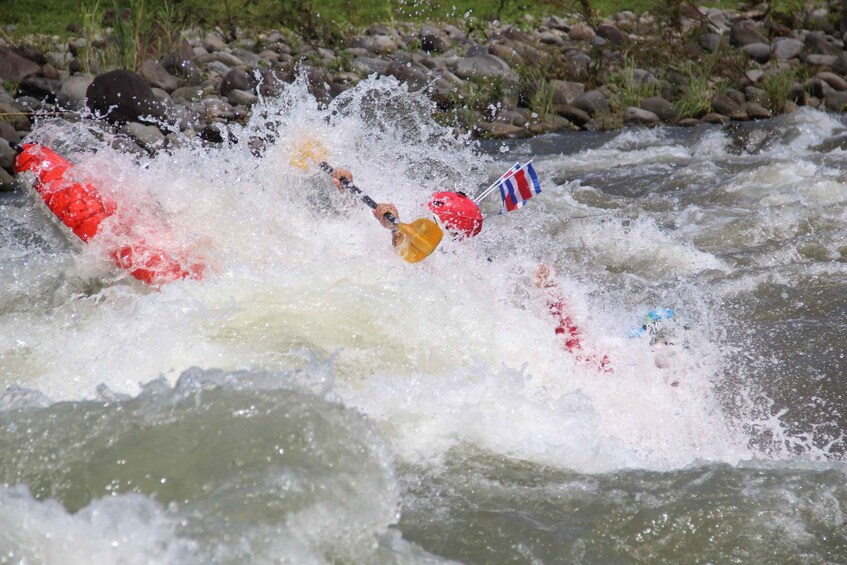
(52, 17)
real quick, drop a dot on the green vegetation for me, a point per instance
(629, 89)
(308, 17)
(777, 87)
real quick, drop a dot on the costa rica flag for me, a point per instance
(517, 185)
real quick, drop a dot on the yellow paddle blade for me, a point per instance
(420, 238)
(308, 153)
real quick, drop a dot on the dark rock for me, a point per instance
(7, 155)
(38, 87)
(416, 76)
(745, 32)
(840, 64)
(516, 35)
(370, 65)
(122, 96)
(188, 93)
(736, 95)
(578, 117)
(148, 137)
(611, 33)
(14, 67)
(476, 51)
(798, 94)
(660, 107)
(7, 182)
(8, 132)
(433, 40)
(237, 79)
(181, 67)
(727, 106)
(689, 122)
(49, 71)
(499, 130)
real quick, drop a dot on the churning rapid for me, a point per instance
(316, 399)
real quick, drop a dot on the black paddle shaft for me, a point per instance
(345, 182)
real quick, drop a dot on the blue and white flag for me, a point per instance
(517, 185)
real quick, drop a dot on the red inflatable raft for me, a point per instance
(83, 208)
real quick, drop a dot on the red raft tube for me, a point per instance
(83, 208)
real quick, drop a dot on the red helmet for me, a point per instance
(457, 212)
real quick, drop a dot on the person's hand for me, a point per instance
(340, 174)
(543, 276)
(385, 208)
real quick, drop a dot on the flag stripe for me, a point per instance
(523, 185)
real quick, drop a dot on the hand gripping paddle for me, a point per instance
(420, 238)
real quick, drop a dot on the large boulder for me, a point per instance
(71, 94)
(592, 102)
(237, 79)
(788, 48)
(14, 67)
(122, 96)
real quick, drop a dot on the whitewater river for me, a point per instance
(316, 399)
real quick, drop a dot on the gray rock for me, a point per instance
(745, 32)
(506, 52)
(592, 102)
(757, 95)
(181, 67)
(833, 80)
(565, 92)
(483, 65)
(241, 97)
(710, 42)
(660, 107)
(214, 42)
(251, 59)
(581, 32)
(641, 77)
(823, 44)
(15, 115)
(218, 68)
(755, 111)
(551, 38)
(14, 67)
(217, 109)
(369, 65)
(476, 50)
(577, 65)
(611, 34)
(821, 60)
(759, 52)
(714, 118)
(158, 77)
(71, 94)
(227, 59)
(148, 137)
(840, 64)
(8, 132)
(500, 130)
(836, 101)
(7, 155)
(188, 93)
(690, 122)
(640, 116)
(7, 182)
(787, 48)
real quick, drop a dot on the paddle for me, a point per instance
(420, 238)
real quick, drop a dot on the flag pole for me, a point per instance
(491, 188)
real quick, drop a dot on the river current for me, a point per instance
(316, 399)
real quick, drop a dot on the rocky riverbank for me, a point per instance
(496, 81)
